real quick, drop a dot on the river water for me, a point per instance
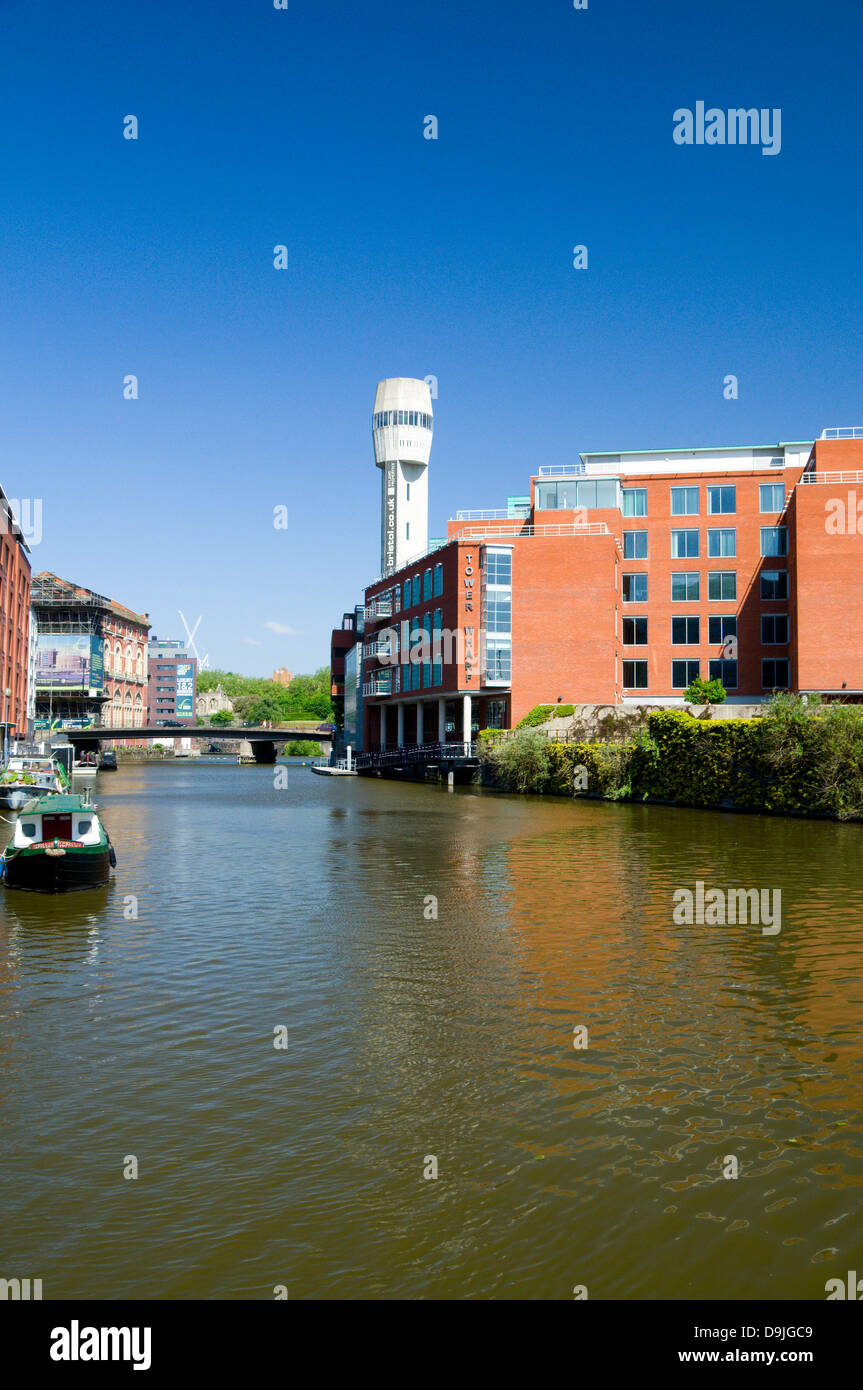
(140, 1022)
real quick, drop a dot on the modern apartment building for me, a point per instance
(172, 681)
(628, 575)
(14, 625)
(91, 664)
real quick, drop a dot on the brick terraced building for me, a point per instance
(630, 574)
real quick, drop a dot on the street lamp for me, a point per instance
(8, 694)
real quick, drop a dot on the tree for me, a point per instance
(222, 717)
(702, 692)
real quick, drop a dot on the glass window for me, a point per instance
(722, 585)
(774, 674)
(684, 501)
(723, 670)
(721, 500)
(635, 675)
(721, 542)
(635, 632)
(685, 632)
(774, 540)
(635, 588)
(415, 588)
(720, 628)
(683, 673)
(606, 494)
(635, 545)
(438, 581)
(28, 829)
(427, 584)
(774, 629)
(774, 584)
(772, 497)
(684, 545)
(685, 587)
(635, 501)
(407, 594)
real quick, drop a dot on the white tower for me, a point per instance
(402, 431)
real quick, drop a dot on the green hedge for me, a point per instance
(796, 758)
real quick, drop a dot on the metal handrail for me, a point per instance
(845, 432)
(416, 753)
(833, 478)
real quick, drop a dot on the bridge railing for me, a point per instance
(417, 753)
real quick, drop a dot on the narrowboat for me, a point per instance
(59, 845)
(27, 775)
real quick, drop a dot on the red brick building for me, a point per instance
(630, 574)
(111, 689)
(14, 624)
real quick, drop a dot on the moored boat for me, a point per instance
(29, 775)
(108, 761)
(86, 765)
(59, 845)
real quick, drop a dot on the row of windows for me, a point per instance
(774, 673)
(721, 541)
(420, 588)
(721, 586)
(721, 500)
(401, 417)
(687, 631)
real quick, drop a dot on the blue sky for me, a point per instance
(407, 257)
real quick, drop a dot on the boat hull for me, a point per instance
(69, 872)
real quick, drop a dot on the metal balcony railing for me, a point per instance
(378, 608)
(845, 432)
(381, 685)
(833, 478)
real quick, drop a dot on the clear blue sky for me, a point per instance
(406, 257)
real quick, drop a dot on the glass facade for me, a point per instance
(571, 494)
(497, 614)
(417, 418)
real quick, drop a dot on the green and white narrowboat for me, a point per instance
(59, 845)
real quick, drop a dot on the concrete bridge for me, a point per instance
(266, 744)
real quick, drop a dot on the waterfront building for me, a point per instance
(172, 679)
(211, 702)
(627, 575)
(14, 624)
(91, 658)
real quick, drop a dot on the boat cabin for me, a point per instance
(67, 821)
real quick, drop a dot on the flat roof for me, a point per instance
(719, 449)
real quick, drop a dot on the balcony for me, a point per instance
(846, 432)
(378, 608)
(379, 685)
(383, 648)
(833, 479)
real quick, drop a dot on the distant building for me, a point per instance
(211, 702)
(283, 677)
(172, 683)
(91, 658)
(14, 623)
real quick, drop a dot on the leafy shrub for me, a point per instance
(702, 692)
(537, 715)
(520, 763)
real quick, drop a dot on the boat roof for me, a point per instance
(60, 803)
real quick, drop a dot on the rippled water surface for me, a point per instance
(410, 1037)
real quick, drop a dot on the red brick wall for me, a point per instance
(14, 628)
(828, 573)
